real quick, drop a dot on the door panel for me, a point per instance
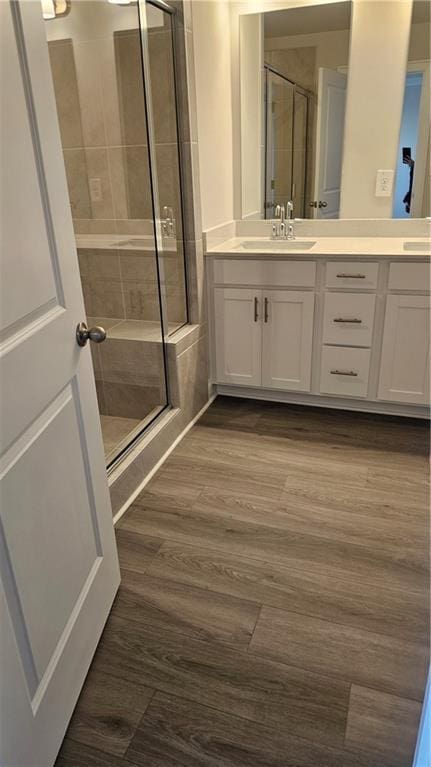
(287, 340)
(404, 371)
(58, 562)
(331, 109)
(238, 336)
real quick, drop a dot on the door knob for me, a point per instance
(96, 334)
(323, 204)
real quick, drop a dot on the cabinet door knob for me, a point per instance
(256, 309)
(266, 313)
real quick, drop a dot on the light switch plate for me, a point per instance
(384, 183)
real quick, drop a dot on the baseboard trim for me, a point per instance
(161, 460)
(314, 400)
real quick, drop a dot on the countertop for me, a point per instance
(335, 247)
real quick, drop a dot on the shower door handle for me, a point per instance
(83, 334)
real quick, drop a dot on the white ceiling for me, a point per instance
(325, 18)
(306, 20)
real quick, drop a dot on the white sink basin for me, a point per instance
(417, 246)
(272, 245)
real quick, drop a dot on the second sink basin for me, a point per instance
(263, 245)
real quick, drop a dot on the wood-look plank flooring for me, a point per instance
(273, 610)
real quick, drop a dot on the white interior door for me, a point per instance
(58, 562)
(238, 336)
(287, 339)
(331, 108)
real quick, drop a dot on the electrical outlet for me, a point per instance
(384, 183)
(95, 185)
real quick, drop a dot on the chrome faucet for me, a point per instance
(291, 220)
(279, 229)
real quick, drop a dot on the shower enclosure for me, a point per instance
(286, 137)
(113, 69)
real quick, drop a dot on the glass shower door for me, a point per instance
(158, 20)
(96, 60)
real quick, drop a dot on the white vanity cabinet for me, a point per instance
(263, 337)
(343, 333)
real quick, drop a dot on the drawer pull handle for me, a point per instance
(354, 321)
(266, 310)
(256, 309)
(352, 276)
(344, 373)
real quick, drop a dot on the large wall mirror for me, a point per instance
(297, 81)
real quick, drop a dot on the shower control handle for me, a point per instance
(83, 334)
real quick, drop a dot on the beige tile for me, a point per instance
(195, 279)
(90, 87)
(98, 168)
(91, 226)
(141, 301)
(138, 266)
(76, 174)
(191, 87)
(162, 92)
(189, 378)
(105, 298)
(116, 430)
(130, 88)
(110, 95)
(137, 330)
(131, 362)
(168, 181)
(130, 401)
(142, 226)
(103, 264)
(66, 92)
(191, 186)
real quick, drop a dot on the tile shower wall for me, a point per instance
(103, 132)
(104, 138)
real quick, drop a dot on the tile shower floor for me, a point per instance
(274, 605)
(115, 431)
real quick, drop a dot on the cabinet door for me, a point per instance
(404, 371)
(287, 339)
(238, 336)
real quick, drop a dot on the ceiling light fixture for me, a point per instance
(53, 8)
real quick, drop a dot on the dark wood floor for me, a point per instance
(274, 604)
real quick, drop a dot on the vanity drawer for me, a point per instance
(409, 277)
(355, 275)
(238, 272)
(295, 274)
(344, 371)
(348, 318)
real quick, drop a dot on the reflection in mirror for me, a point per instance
(305, 55)
(412, 183)
(296, 75)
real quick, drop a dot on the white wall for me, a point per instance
(377, 71)
(211, 35)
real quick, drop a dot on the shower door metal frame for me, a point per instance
(146, 77)
(304, 92)
(166, 8)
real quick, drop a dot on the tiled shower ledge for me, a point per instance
(131, 330)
